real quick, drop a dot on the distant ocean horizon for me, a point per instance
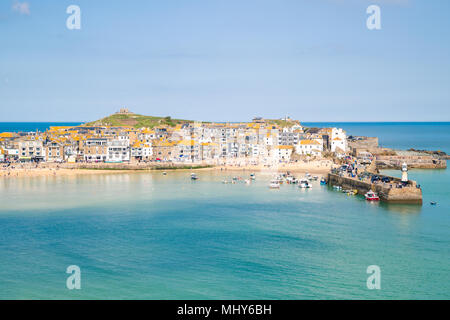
(397, 135)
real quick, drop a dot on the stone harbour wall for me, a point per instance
(410, 194)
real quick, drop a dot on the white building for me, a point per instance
(118, 151)
(309, 147)
(338, 141)
(12, 152)
(31, 149)
(281, 153)
(141, 151)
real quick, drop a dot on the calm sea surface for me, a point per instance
(149, 236)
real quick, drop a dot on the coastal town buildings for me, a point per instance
(31, 149)
(259, 141)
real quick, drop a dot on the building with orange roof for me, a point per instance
(141, 151)
(309, 147)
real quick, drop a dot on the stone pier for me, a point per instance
(386, 191)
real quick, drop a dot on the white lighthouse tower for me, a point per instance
(404, 172)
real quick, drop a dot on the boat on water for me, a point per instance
(308, 176)
(164, 173)
(291, 180)
(274, 184)
(337, 187)
(323, 181)
(252, 176)
(279, 178)
(372, 196)
(353, 192)
(315, 178)
(194, 176)
(304, 184)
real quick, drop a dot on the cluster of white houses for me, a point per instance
(259, 141)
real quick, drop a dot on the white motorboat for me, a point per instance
(304, 183)
(274, 184)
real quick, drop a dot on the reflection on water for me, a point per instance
(403, 208)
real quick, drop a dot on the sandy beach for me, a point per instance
(30, 170)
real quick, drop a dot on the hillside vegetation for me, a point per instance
(136, 121)
(283, 123)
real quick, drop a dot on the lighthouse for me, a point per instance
(404, 172)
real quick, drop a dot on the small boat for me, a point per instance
(274, 184)
(337, 187)
(315, 178)
(164, 173)
(247, 181)
(252, 176)
(323, 181)
(280, 179)
(372, 196)
(308, 176)
(433, 203)
(304, 183)
(194, 176)
(352, 192)
(290, 179)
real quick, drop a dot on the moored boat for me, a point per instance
(372, 196)
(194, 176)
(274, 184)
(304, 183)
(290, 179)
(323, 181)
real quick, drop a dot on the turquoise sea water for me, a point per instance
(149, 236)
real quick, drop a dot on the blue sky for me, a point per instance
(225, 60)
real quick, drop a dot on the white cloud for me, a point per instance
(21, 7)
